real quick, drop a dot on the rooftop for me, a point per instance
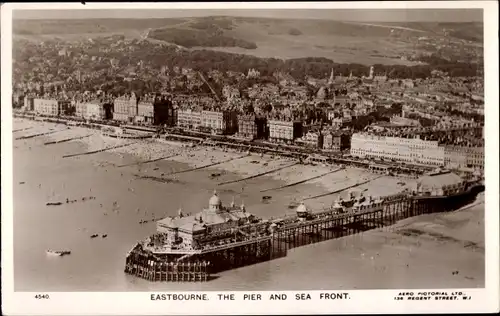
(439, 179)
(214, 215)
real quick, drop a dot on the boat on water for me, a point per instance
(94, 236)
(105, 235)
(58, 253)
(53, 203)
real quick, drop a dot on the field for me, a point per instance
(343, 42)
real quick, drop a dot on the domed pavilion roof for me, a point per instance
(215, 200)
(301, 208)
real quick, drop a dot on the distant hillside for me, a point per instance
(471, 31)
(343, 42)
(57, 27)
(202, 32)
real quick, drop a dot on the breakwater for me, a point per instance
(67, 140)
(147, 161)
(21, 129)
(302, 181)
(39, 134)
(259, 174)
(206, 166)
(97, 151)
(357, 184)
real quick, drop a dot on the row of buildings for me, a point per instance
(149, 110)
(219, 122)
(126, 109)
(416, 151)
(158, 110)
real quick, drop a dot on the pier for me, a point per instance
(271, 239)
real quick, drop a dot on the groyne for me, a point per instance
(147, 161)
(302, 181)
(357, 184)
(40, 134)
(206, 166)
(157, 179)
(67, 140)
(21, 129)
(97, 151)
(258, 175)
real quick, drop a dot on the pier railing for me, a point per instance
(252, 240)
(165, 250)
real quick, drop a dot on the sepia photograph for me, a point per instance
(168, 150)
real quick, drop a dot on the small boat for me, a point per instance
(53, 203)
(58, 253)
(267, 197)
(105, 235)
(94, 236)
(22, 182)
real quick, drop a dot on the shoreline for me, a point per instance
(286, 152)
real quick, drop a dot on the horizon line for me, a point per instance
(341, 15)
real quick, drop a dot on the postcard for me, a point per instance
(250, 158)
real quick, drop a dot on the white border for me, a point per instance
(376, 301)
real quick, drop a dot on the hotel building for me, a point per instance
(125, 108)
(188, 118)
(145, 112)
(410, 150)
(285, 131)
(51, 107)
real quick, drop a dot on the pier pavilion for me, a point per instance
(186, 232)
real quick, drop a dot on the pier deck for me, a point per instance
(268, 240)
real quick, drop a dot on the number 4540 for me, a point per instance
(42, 296)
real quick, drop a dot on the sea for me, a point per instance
(107, 199)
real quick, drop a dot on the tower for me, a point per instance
(330, 81)
(215, 203)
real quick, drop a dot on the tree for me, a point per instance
(267, 108)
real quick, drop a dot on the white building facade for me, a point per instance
(280, 130)
(410, 150)
(48, 107)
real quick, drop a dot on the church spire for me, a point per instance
(330, 81)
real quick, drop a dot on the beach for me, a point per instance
(110, 192)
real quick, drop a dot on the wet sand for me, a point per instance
(418, 260)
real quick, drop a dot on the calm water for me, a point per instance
(361, 261)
